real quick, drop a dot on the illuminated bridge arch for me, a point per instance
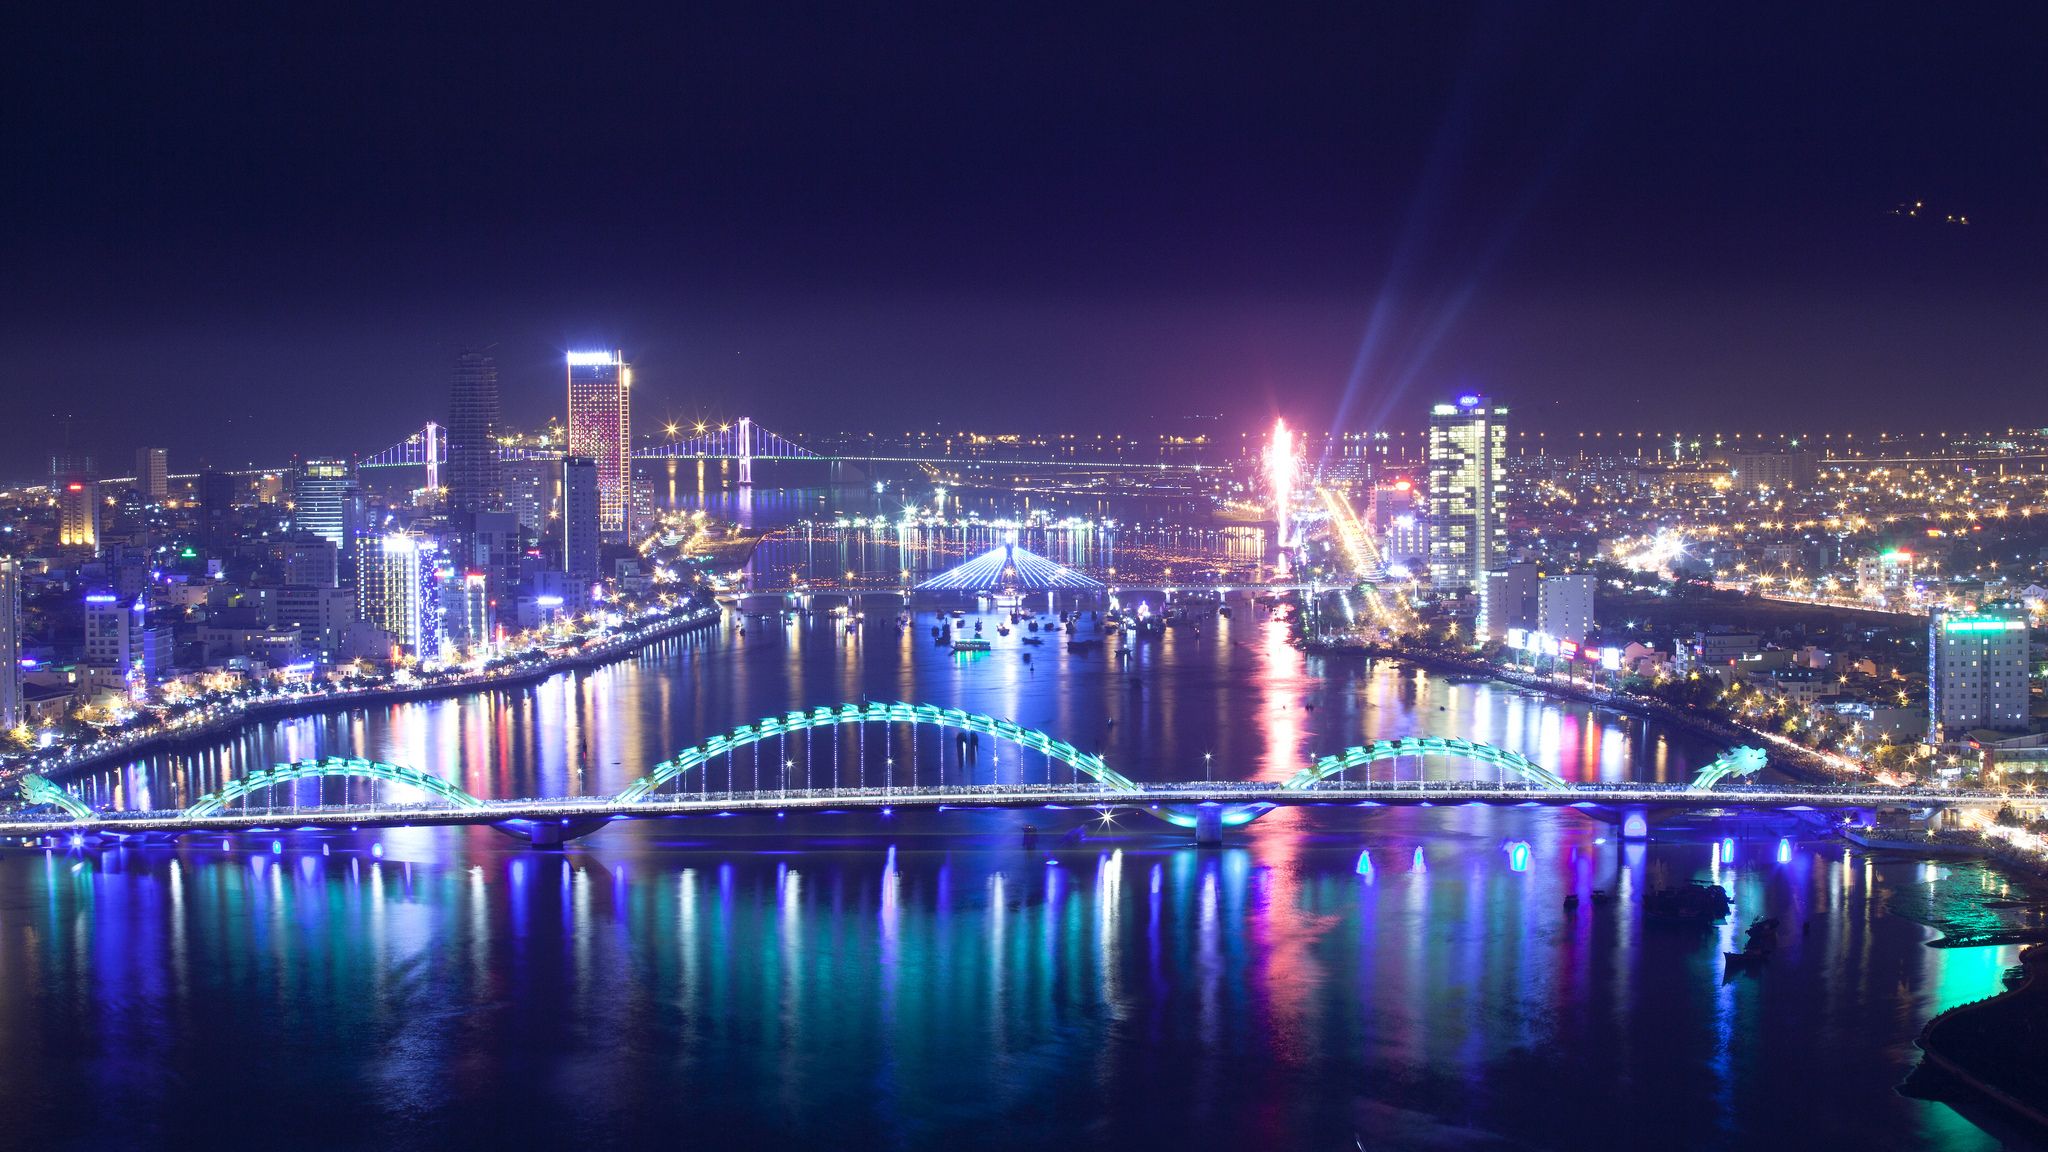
(262, 780)
(1086, 763)
(1367, 755)
(40, 790)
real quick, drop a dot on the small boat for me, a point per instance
(1571, 902)
(1602, 897)
(971, 644)
(1034, 639)
(1083, 645)
(1002, 630)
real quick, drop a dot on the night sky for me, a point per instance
(249, 239)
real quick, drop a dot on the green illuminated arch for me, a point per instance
(39, 790)
(1364, 756)
(262, 779)
(1743, 761)
(1030, 739)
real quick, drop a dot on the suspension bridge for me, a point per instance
(879, 758)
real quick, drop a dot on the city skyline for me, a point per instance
(873, 577)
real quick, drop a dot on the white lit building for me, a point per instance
(1467, 489)
(395, 591)
(1977, 671)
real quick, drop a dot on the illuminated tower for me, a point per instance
(10, 642)
(600, 427)
(1468, 530)
(472, 471)
(396, 590)
(327, 503)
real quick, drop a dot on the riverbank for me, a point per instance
(1803, 766)
(313, 704)
(1989, 1050)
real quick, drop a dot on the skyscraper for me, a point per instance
(325, 503)
(1977, 674)
(396, 591)
(78, 514)
(78, 500)
(472, 469)
(10, 642)
(581, 517)
(153, 473)
(600, 427)
(217, 493)
(1467, 529)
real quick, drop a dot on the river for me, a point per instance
(854, 982)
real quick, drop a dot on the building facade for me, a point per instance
(600, 428)
(1507, 600)
(1564, 606)
(327, 503)
(1977, 671)
(78, 513)
(153, 474)
(396, 593)
(1467, 531)
(10, 642)
(582, 519)
(472, 469)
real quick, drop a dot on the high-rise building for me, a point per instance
(466, 616)
(1977, 670)
(1787, 471)
(327, 503)
(395, 591)
(153, 474)
(111, 622)
(600, 427)
(529, 487)
(582, 519)
(217, 493)
(1564, 606)
(472, 469)
(321, 615)
(1508, 599)
(78, 513)
(1467, 529)
(10, 642)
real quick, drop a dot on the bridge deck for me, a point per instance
(1270, 793)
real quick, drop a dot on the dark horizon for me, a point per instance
(272, 238)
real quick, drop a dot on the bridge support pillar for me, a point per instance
(1209, 826)
(1635, 823)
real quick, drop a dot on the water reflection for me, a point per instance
(1237, 692)
(967, 993)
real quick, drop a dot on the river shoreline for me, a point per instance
(376, 697)
(1985, 1051)
(1806, 768)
